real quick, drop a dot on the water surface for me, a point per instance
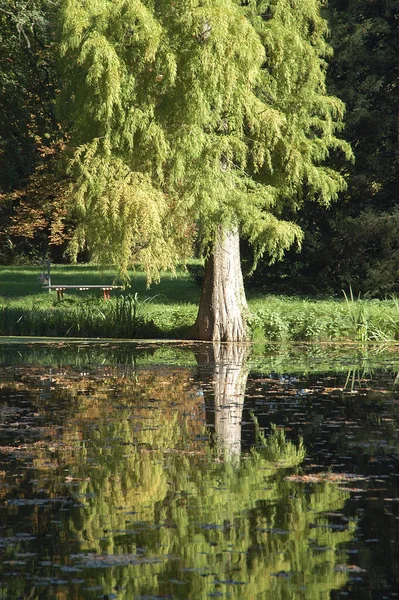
(144, 471)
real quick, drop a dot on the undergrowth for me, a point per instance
(351, 319)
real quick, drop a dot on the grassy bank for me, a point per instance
(167, 310)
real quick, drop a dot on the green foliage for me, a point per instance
(31, 193)
(365, 38)
(203, 113)
(27, 84)
(355, 319)
(294, 37)
(355, 242)
(359, 251)
(365, 246)
(125, 317)
(129, 217)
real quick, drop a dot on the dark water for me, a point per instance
(145, 472)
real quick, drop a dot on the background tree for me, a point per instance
(205, 113)
(355, 242)
(365, 71)
(31, 192)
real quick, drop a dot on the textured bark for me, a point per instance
(223, 306)
(226, 367)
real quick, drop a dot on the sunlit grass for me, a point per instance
(168, 309)
(22, 283)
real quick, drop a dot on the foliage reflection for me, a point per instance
(157, 506)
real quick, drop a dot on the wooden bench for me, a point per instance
(61, 288)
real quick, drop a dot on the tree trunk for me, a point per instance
(223, 370)
(223, 307)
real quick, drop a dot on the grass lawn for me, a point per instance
(22, 283)
(167, 309)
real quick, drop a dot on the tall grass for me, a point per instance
(125, 317)
(27, 309)
(272, 318)
(348, 319)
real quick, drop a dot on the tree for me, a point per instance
(196, 117)
(364, 71)
(365, 67)
(355, 244)
(27, 87)
(31, 192)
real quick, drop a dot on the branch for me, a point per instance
(20, 30)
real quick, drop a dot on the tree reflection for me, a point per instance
(223, 371)
(157, 511)
(165, 510)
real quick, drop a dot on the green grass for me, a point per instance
(168, 309)
(20, 283)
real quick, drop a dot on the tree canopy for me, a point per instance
(31, 190)
(187, 115)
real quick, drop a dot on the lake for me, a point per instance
(181, 471)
